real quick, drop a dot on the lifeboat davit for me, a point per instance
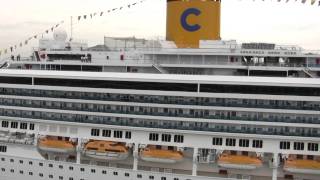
(160, 155)
(57, 145)
(106, 150)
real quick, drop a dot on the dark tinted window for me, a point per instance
(247, 89)
(15, 80)
(117, 84)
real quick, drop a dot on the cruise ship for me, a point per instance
(191, 107)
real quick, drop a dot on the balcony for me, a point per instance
(173, 113)
(159, 100)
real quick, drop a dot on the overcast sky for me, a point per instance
(243, 20)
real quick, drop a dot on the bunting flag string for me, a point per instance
(12, 48)
(101, 13)
(51, 29)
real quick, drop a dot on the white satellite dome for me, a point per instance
(60, 35)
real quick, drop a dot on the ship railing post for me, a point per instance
(36, 138)
(79, 151)
(275, 165)
(195, 162)
(135, 156)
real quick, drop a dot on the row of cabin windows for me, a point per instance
(71, 168)
(299, 146)
(216, 141)
(165, 124)
(107, 133)
(15, 125)
(166, 138)
(161, 99)
(157, 111)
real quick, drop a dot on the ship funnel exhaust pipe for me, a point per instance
(189, 21)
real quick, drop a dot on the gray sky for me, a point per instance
(243, 20)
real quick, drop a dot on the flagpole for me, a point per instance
(71, 28)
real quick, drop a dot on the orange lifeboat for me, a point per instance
(302, 164)
(161, 155)
(106, 150)
(56, 144)
(236, 160)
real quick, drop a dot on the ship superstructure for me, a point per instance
(185, 108)
(185, 126)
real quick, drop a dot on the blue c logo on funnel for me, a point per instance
(184, 17)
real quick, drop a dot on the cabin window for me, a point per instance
(3, 148)
(244, 143)
(31, 127)
(128, 135)
(166, 137)
(257, 144)
(106, 133)
(153, 137)
(23, 126)
(217, 141)
(117, 134)
(298, 146)
(313, 147)
(178, 138)
(95, 132)
(284, 145)
(5, 124)
(230, 142)
(126, 174)
(14, 125)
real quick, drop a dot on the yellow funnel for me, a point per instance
(189, 21)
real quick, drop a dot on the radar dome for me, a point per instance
(60, 35)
